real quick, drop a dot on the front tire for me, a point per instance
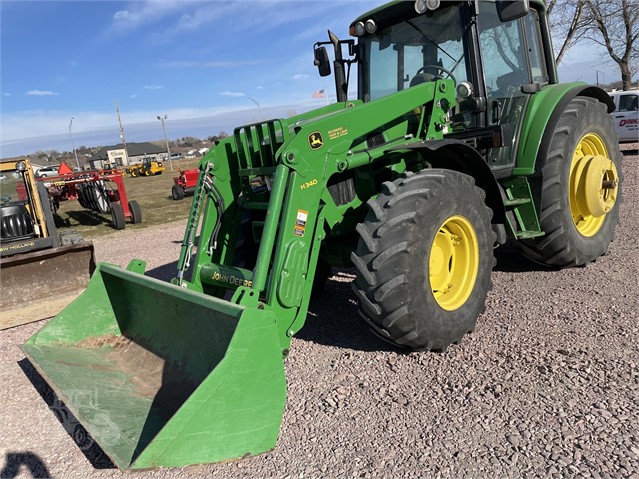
(136, 212)
(177, 192)
(117, 216)
(581, 188)
(424, 259)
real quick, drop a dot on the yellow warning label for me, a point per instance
(300, 223)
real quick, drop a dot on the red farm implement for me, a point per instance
(101, 191)
(185, 183)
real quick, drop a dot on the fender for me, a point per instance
(456, 155)
(542, 115)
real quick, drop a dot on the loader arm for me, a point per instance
(297, 157)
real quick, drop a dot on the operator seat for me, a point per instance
(16, 223)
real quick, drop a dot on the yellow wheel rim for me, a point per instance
(593, 185)
(453, 263)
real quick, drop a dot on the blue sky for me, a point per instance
(196, 61)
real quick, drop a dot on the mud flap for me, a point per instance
(162, 376)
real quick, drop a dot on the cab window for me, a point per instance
(628, 102)
(414, 50)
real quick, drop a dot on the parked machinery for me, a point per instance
(461, 137)
(148, 167)
(185, 183)
(102, 191)
(41, 270)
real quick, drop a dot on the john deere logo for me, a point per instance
(315, 140)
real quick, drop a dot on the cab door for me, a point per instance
(513, 64)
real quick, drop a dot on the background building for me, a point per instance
(116, 155)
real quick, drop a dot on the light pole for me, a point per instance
(257, 103)
(75, 153)
(168, 151)
(603, 74)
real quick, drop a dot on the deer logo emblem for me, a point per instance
(315, 140)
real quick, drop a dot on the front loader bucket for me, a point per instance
(39, 284)
(161, 376)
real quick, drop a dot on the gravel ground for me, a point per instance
(547, 386)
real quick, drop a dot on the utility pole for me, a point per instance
(126, 152)
(603, 74)
(168, 151)
(75, 153)
(257, 103)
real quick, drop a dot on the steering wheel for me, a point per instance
(438, 69)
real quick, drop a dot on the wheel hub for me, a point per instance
(453, 263)
(593, 185)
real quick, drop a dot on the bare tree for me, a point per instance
(615, 26)
(566, 23)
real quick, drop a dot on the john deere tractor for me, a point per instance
(459, 139)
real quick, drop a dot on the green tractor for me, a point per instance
(460, 138)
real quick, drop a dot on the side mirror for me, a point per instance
(322, 62)
(512, 9)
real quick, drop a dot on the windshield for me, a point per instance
(414, 51)
(12, 188)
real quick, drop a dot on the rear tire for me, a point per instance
(177, 192)
(578, 214)
(136, 212)
(117, 216)
(424, 259)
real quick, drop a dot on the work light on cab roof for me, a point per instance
(421, 6)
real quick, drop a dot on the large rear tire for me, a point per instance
(581, 188)
(424, 259)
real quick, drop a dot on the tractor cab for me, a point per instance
(498, 53)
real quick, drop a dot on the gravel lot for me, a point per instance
(548, 385)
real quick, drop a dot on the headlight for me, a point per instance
(464, 90)
(421, 6)
(371, 26)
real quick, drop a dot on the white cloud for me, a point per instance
(210, 64)
(134, 96)
(300, 76)
(6, 94)
(152, 87)
(40, 93)
(139, 13)
(35, 123)
(232, 93)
